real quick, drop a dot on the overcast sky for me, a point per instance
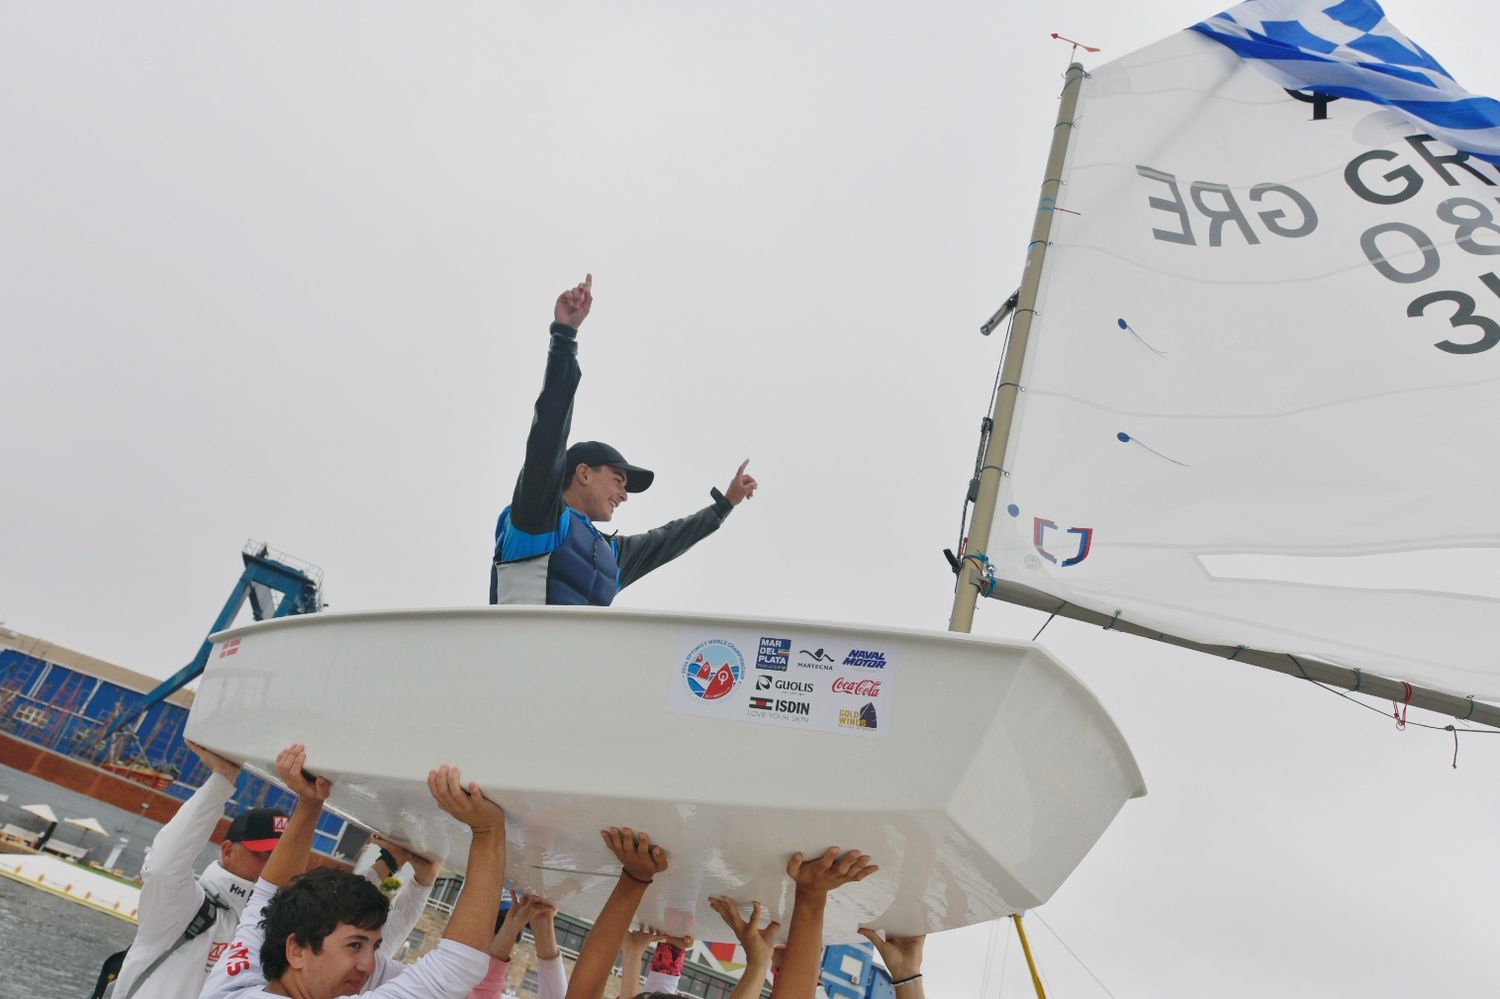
(284, 271)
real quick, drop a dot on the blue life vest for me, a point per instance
(571, 564)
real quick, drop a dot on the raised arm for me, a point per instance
(537, 501)
(551, 976)
(168, 870)
(632, 956)
(756, 942)
(798, 978)
(411, 898)
(294, 849)
(473, 920)
(640, 861)
(903, 959)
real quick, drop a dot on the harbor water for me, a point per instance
(51, 948)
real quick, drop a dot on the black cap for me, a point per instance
(591, 453)
(258, 828)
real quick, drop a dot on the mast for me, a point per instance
(966, 594)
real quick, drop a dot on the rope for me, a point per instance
(1112, 621)
(1399, 713)
(1074, 956)
(1049, 620)
(986, 427)
(985, 569)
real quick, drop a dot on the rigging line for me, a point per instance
(1074, 956)
(1381, 712)
(986, 428)
(1004, 963)
(1049, 620)
(989, 959)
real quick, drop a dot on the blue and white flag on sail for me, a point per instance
(1349, 49)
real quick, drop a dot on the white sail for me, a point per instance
(1259, 402)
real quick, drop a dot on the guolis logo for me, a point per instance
(859, 688)
(712, 669)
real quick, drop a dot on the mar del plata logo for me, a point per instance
(713, 669)
(774, 654)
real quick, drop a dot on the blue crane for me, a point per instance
(275, 584)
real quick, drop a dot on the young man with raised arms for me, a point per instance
(316, 935)
(547, 547)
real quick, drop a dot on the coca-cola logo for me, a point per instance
(859, 688)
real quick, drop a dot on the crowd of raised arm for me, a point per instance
(320, 932)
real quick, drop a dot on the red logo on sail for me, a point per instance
(229, 648)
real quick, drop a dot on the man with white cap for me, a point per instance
(547, 547)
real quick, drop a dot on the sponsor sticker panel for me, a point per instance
(826, 684)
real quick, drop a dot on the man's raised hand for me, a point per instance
(573, 305)
(902, 955)
(758, 943)
(825, 873)
(742, 486)
(466, 804)
(229, 771)
(640, 859)
(290, 764)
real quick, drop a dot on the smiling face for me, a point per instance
(596, 490)
(340, 967)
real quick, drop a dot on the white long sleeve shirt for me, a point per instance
(450, 971)
(171, 896)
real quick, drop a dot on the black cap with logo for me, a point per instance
(592, 453)
(257, 829)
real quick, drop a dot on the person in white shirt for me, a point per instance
(317, 935)
(166, 961)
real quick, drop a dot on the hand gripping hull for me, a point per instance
(976, 773)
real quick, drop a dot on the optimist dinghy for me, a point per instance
(976, 773)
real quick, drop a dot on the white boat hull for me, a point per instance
(989, 772)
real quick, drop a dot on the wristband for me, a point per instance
(389, 860)
(634, 878)
(906, 981)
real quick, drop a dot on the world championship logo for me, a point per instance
(713, 669)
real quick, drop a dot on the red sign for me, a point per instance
(859, 688)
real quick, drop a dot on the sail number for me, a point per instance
(1475, 230)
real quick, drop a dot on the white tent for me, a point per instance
(41, 811)
(91, 824)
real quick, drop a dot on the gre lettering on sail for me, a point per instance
(1258, 384)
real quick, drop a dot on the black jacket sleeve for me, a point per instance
(537, 502)
(640, 553)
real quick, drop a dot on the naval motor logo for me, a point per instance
(713, 669)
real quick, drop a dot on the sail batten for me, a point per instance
(1258, 405)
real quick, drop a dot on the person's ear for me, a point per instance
(296, 954)
(225, 848)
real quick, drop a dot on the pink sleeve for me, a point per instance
(493, 983)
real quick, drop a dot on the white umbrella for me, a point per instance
(91, 824)
(41, 811)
